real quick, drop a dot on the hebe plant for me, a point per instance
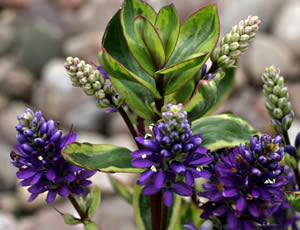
(154, 71)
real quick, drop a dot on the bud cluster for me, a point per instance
(277, 100)
(40, 162)
(93, 81)
(236, 42)
(173, 159)
(247, 182)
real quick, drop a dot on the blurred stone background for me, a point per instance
(36, 36)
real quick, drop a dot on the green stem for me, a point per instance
(164, 217)
(195, 198)
(141, 126)
(75, 204)
(156, 210)
(159, 211)
(129, 125)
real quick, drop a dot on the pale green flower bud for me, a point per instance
(92, 82)
(277, 100)
(236, 42)
(103, 103)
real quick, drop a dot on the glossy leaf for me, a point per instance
(168, 24)
(114, 43)
(105, 158)
(199, 34)
(136, 96)
(125, 191)
(185, 65)
(224, 89)
(224, 130)
(91, 226)
(189, 213)
(93, 201)
(293, 199)
(131, 9)
(70, 219)
(203, 100)
(142, 210)
(148, 34)
(183, 95)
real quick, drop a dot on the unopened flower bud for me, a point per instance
(93, 81)
(277, 99)
(287, 121)
(234, 43)
(276, 125)
(103, 103)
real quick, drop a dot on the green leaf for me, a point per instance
(149, 35)
(142, 210)
(185, 65)
(91, 226)
(105, 158)
(203, 99)
(224, 89)
(224, 130)
(131, 9)
(93, 201)
(293, 199)
(136, 96)
(125, 191)
(184, 94)
(199, 34)
(71, 220)
(189, 214)
(114, 43)
(168, 24)
(174, 213)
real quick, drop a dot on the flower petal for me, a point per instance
(51, 196)
(252, 208)
(241, 204)
(64, 191)
(232, 221)
(32, 197)
(159, 179)
(141, 163)
(25, 174)
(182, 189)
(145, 175)
(51, 174)
(202, 160)
(230, 192)
(189, 178)
(140, 152)
(36, 178)
(150, 189)
(168, 197)
(149, 144)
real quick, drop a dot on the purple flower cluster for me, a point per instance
(247, 184)
(173, 158)
(39, 160)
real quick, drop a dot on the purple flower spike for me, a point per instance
(39, 160)
(173, 159)
(246, 185)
